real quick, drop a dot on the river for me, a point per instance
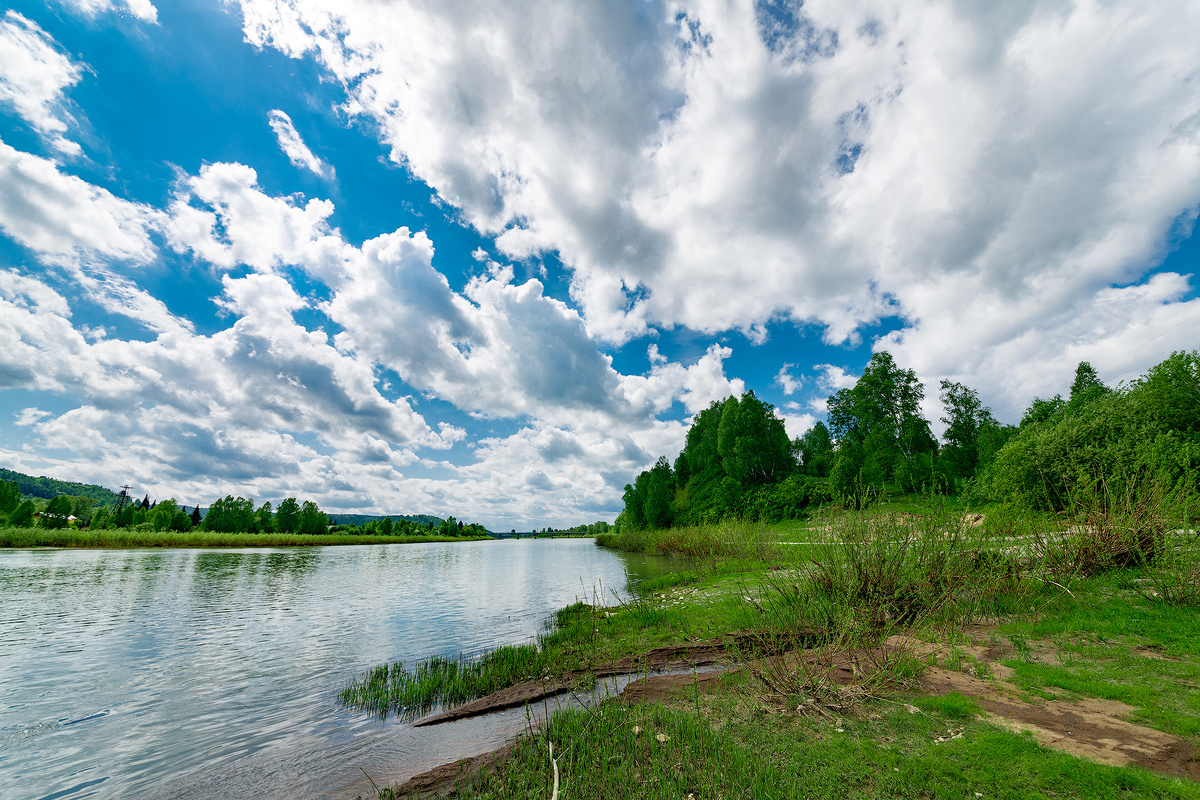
(214, 673)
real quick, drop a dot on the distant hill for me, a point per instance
(52, 487)
(362, 519)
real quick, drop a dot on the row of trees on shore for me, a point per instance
(227, 515)
(738, 461)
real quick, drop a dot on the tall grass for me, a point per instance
(124, 538)
(411, 692)
(728, 539)
(877, 575)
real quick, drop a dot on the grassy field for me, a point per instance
(1061, 607)
(123, 539)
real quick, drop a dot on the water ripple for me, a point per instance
(201, 673)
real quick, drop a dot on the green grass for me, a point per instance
(393, 689)
(721, 541)
(1097, 631)
(719, 747)
(124, 538)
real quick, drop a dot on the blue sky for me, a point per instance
(460, 258)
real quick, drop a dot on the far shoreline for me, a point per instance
(123, 539)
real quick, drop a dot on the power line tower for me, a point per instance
(122, 497)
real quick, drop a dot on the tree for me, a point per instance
(100, 519)
(196, 517)
(22, 517)
(634, 498)
(230, 515)
(846, 478)
(660, 490)
(385, 526)
(264, 520)
(287, 518)
(312, 520)
(1041, 410)
(1172, 392)
(57, 512)
(10, 497)
(816, 450)
(752, 442)
(966, 417)
(1086, 387)
(163, 515)
(881, 412)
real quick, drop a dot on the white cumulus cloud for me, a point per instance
(719, 166)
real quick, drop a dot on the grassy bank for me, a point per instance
(1032, 606)
(124, 538)
(718, 747)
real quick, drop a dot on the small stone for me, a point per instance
(662, 737)
(637, 730)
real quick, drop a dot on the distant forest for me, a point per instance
(1137, 440)
(26, 501)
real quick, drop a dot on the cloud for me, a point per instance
(62, 217)
(293, 146)
(33, 76)
(141, 9)
(718, 166)
(797, 425)
(395, 310)
(696, 386)
(785, 380)
(832, 377)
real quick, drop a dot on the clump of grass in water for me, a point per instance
(438, 681)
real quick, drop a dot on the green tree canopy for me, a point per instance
(287, 518)
(970, 430)
(22, 517)
(10, 497)
(816, 450)
(230, 515)
(1086, 387)
(312, 520)
(57, 512)
(753, 445)
(881, 413)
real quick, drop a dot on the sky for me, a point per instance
(489, 259)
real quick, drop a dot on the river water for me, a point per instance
(214, 673)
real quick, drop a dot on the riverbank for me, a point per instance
(963, 657)
(130, 539)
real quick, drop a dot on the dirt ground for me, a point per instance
(1098, 730)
